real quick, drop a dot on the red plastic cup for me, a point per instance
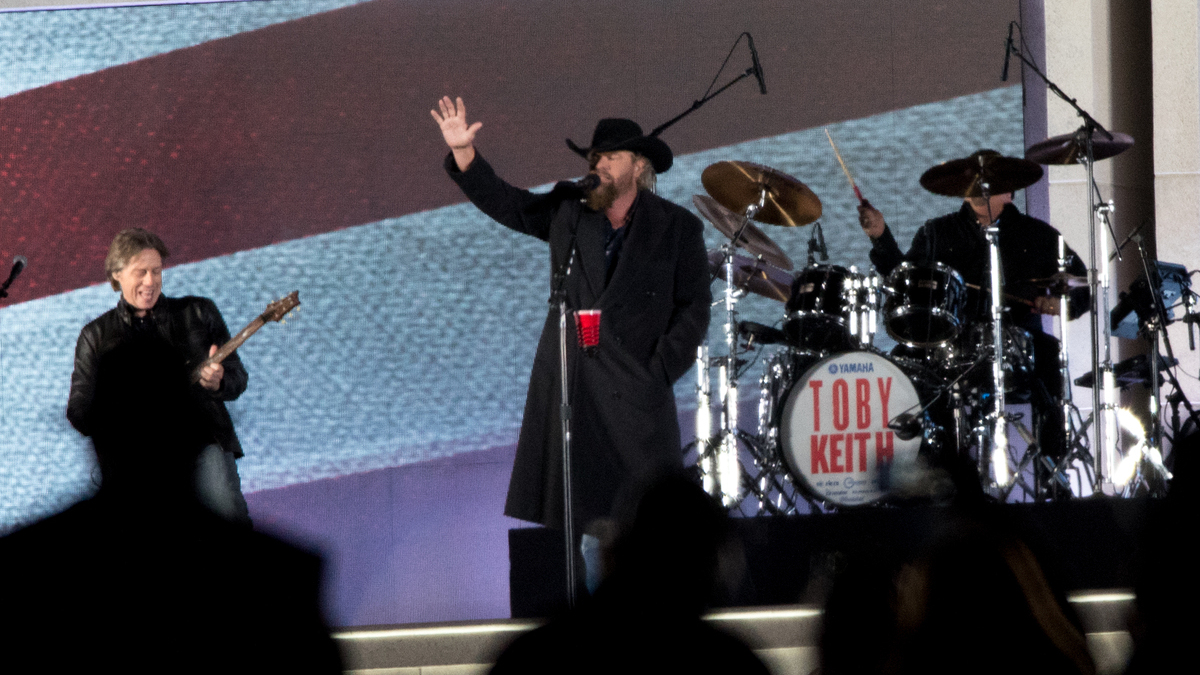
(587, 327)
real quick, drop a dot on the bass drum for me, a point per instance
(833, 429)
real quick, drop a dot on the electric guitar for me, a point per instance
(275, 311)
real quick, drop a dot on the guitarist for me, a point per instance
(192, 327)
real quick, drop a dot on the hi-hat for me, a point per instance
(752, 239)
(752, 275)
(1060, 283)
(1072, 148)
(964, 177)
(737, 185)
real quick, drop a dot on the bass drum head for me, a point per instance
(833, 428)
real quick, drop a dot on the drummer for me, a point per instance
(1028, 251)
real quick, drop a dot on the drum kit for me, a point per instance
(841, 423)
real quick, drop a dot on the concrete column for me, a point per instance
(1176, 100)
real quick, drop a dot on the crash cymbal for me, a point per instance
(737, 185)
(752, 239)
(1071, 148)
(962, 177)
(1060, 283)
(754, 276)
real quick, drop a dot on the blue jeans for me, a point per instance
(218, 486)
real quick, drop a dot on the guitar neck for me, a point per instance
(229, 347)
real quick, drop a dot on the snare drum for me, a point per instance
(817, 309)
(833, 429)
(925, 304)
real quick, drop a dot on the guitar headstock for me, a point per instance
(278, 309)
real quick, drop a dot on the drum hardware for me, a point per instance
(1145, 457)
(720, 456)
(760, 334)
(998, 416)
(752, 239)
(1086, 147)
(816, 246)
(1077, 449)
(1032, 455)
(752, 276)
(1137, 307)
(705, 460)
(1134, 370)
(861, 296)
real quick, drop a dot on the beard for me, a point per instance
(602, 197)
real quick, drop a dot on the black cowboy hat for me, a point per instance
(615, 133)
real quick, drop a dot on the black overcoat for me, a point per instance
(654, 313)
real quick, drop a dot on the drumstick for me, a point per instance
(857, 192)
(1007, 296)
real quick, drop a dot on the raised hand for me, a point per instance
(871, 220)
(457, 133)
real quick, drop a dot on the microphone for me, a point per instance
(19, 263)
(587, 183)
(1008, 47)
(906, 425)
(758, 70)
(824, 250)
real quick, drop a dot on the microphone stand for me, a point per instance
(707, 97)
(1103, 402)
(558, 298)
(1156, 326)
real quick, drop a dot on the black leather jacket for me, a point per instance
(190, 324)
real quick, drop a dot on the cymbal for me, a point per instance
(754, 276)
(753, 239)
(737, 185)
(1060, 283)
(962, 177)
(1071, 148)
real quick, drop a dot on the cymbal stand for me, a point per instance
(706, 458)
(997, 422)
(727, 467)
(1104, 390)
(1076, 439)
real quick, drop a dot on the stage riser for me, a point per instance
(785, 638)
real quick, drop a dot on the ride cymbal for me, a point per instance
(752, 239)
(1072, 148)
(963, 177)
(737, 185)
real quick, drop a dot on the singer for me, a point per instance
(639, 259)
(190, 326)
